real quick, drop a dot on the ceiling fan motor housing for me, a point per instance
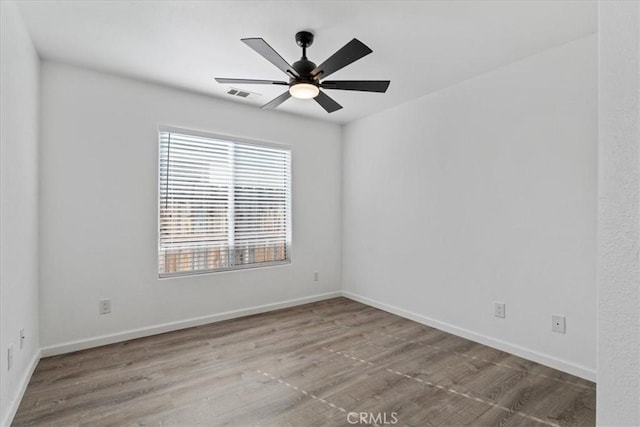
(304, 67)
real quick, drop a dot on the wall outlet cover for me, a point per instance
(105, 306)
(9, 357)
(500, 310)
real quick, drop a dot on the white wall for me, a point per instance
(619, 215)
(482, 192)
(19, 67)
(98, 208)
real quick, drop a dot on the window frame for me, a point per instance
(231, 139)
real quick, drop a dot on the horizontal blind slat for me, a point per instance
(222, 204)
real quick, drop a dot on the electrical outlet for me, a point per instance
(21, 338)
(105, 306)
(9, 357)
(499, 310)
(558, 324)
(315, 276)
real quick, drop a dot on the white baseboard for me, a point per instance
(24, 382)
(552, 362)
(83, 344)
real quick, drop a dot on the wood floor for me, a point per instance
(313, 365)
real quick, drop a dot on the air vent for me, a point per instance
(242, 93)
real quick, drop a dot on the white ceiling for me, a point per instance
(420, 46)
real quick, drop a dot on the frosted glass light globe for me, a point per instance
(304, 90)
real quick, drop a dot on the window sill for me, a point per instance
(223, 270)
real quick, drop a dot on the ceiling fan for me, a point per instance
(305, 77)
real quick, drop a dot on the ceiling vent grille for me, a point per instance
(242, 93)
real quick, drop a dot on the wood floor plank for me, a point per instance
(311, 365)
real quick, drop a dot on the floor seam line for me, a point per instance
(306, 393)
(453, 391)
(580, 386)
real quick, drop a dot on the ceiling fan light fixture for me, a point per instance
(304, 90)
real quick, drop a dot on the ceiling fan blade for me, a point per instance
(251, 81)
(327, 102)
(277, 101)
(361, 85)
(349, 53)
(263, 48)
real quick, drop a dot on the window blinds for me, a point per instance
(222, 204)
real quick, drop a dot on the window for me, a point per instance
(223, 204)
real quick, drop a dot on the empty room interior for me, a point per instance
(320, 213)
